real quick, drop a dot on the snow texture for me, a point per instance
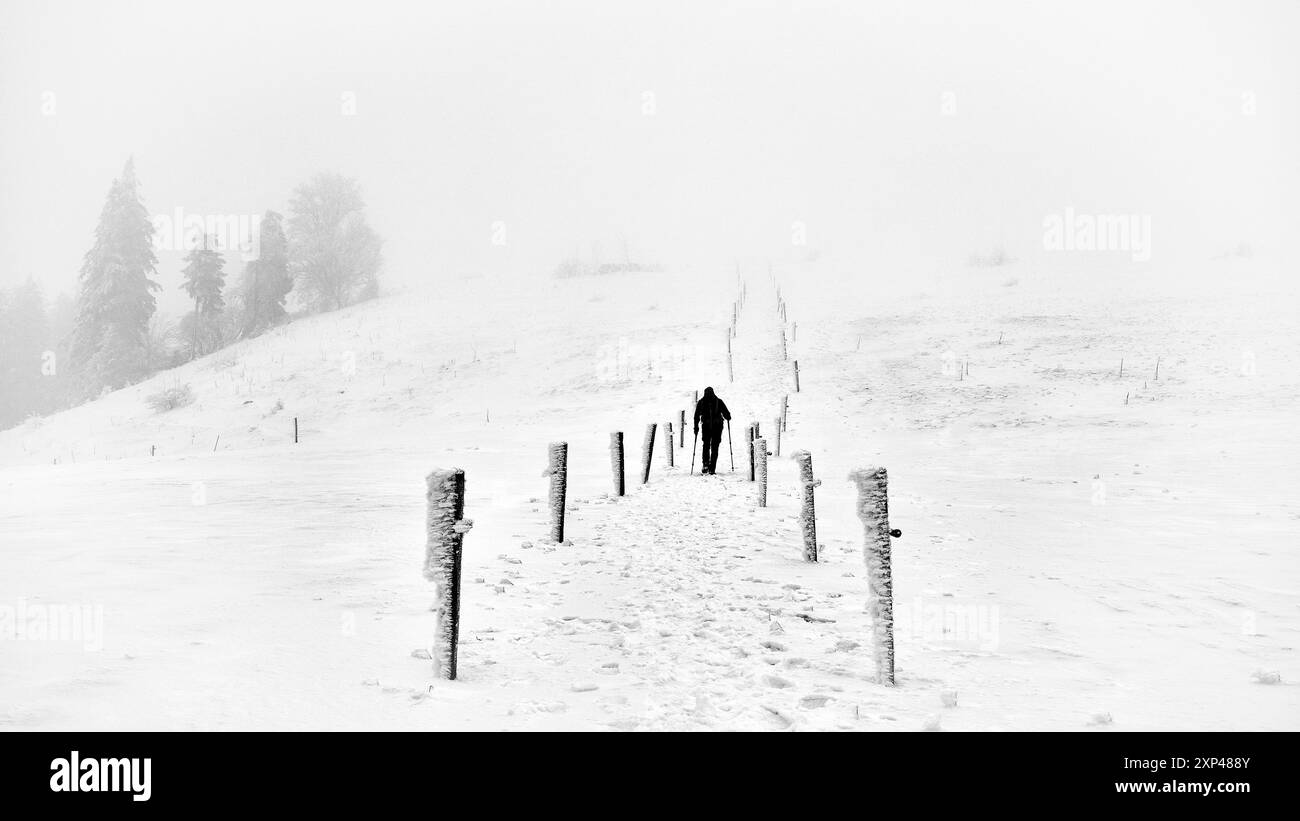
(1059, 562)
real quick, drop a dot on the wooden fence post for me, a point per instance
(760, 449)
(777, 424)
(559, 473)
(783, 351)
(668, 443)
(445, 526)
(873, 510)
(807, 513)
(681, 423)
(751, 435)
(647, 451)
(616, 461)
(785, 412)
(796, 376)
(794, 331)
(295, 430)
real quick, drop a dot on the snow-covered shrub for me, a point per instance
(170, 398)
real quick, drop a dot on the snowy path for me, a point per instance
(685, 606)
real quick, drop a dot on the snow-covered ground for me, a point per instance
(1069, 560)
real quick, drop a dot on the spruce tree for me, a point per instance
(204, 277)
(115, 292)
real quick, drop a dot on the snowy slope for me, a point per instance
(268, 584)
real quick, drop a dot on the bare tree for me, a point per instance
(334, 252)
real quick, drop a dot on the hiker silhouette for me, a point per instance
(710, 412)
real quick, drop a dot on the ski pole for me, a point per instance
(694, 439)
(731, 452)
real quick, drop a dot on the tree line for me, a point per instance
(111, 335)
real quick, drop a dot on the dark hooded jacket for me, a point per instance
(710, 411)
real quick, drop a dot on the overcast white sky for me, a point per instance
(764, 113)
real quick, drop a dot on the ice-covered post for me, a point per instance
(681, 427)
(668, 443)
(783, 351)
(647, 450)
(807, 513)
(295, 430)
(794, 331)
(446, 526)
(796, 376)
(873, 510)
(777, 425)
(760, 451)
(751, 435)
(559, 473)
(616, 461)
(731, 376)
(785, 412)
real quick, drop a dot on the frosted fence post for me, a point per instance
(616, 461)
(731, 375)
(796, 376)
(295, 430)
(647, 450)
(794, 331)
(777, 424)
(750, 436)
(785, 412)
(873, 510)
(783, 352)
(760, 448)
(807, 513)
(681, 424)
(559, 473)
(445, 525)
(668, 443)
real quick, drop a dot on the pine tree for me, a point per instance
(204, 277)
(267, 280)
(115, 292)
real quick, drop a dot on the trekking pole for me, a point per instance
(694, 439)
(731, 452)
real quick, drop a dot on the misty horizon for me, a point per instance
(499, 140)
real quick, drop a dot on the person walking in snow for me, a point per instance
(710, 412)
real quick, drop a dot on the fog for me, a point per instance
(499, 137)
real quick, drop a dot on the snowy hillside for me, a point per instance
(1070, 559)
